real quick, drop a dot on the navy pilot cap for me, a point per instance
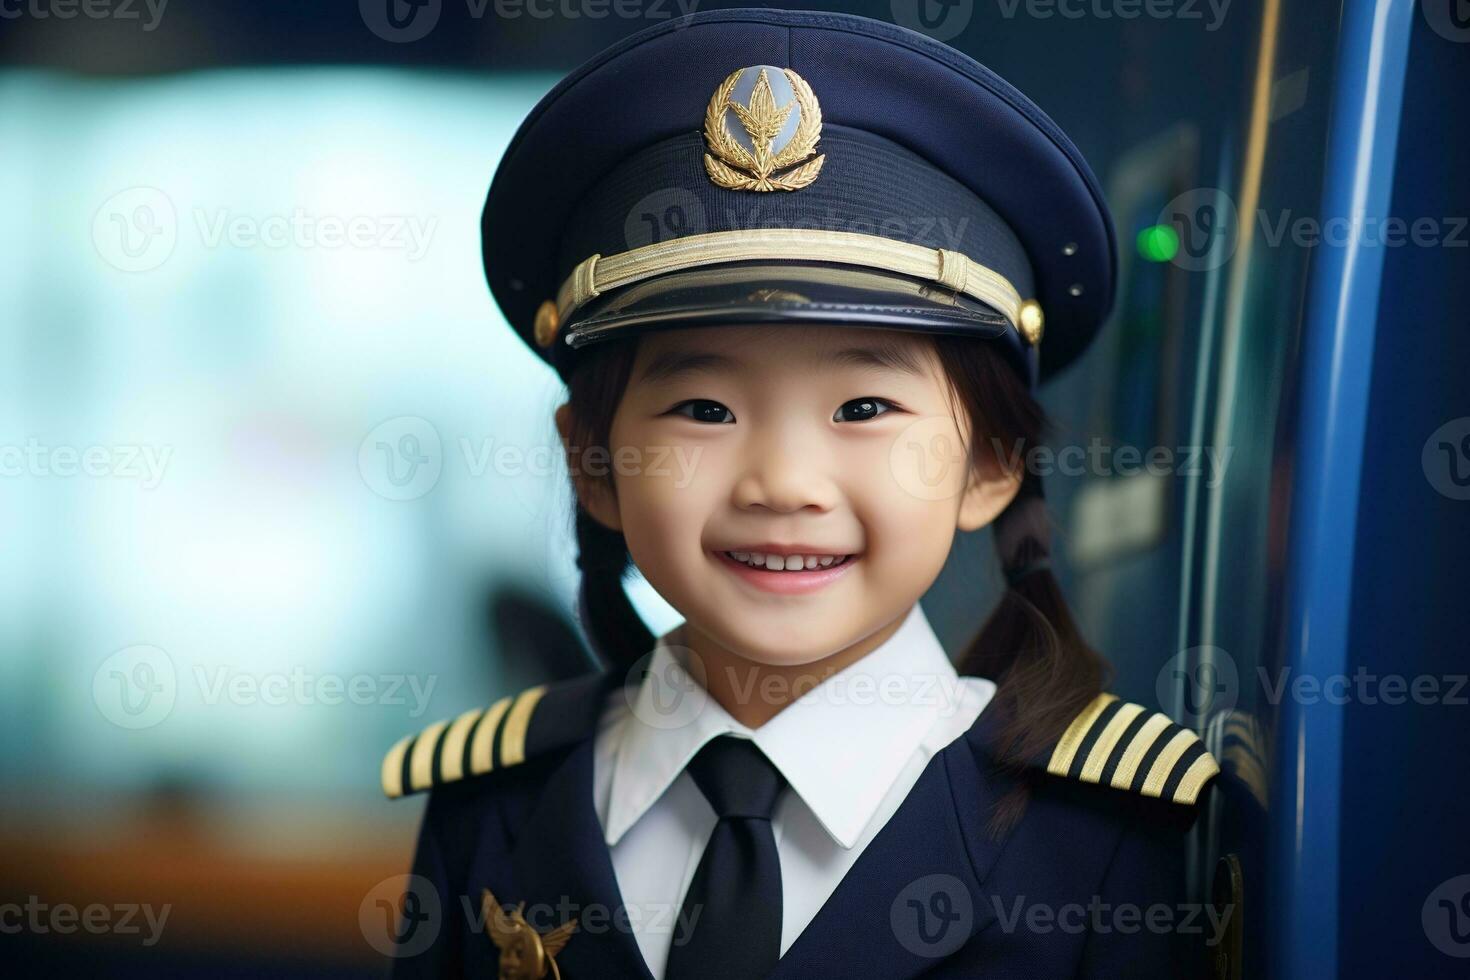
(775, 166)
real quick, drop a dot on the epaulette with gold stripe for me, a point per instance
(482, 740)
(1126, 746)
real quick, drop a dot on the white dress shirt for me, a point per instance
(850, 750)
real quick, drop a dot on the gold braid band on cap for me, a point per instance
(954, 270)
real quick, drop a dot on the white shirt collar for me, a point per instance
(840, 746)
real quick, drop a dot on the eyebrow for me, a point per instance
(669, 364)
(893, 357)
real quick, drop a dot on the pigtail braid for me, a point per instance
(1031, 647)
(613, 627)
(617, 633)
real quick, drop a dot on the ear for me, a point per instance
(594, 493)
(990, 491)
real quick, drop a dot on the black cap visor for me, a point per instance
(746, 293)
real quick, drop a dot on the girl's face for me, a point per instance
(791, 490)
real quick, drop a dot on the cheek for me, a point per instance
(666, 491)
(658, 518)
(907, 535)
(927, 461)
(911, 501)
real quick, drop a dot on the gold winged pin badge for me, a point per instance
(525, 954)
(776, 152)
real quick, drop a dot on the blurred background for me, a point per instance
(277, 485)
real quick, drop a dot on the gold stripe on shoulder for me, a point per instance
(1138, 748)
(421, 761)
(1173, 754)
(1163, 766)
(1102, 749)
(480, 761)
(513, 742)
(1066, 750)
(480, 740)
(1200, 772)
(392, 775)
(451, 756)
(446, 741)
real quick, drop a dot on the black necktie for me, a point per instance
(734, 900)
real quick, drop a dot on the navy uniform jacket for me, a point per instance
(1069, 891)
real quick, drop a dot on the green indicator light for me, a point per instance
(1158, 243)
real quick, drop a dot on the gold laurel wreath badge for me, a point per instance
(762, 121)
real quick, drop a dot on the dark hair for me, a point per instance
(1030, 646)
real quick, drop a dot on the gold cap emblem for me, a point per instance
(525, 954)
(779, 125)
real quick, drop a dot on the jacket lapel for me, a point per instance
(915, 895)
(561, 864)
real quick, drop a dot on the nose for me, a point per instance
(785, 474)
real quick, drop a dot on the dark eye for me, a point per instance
(861, 409)
(704, 410)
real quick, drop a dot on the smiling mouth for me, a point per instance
(788, 563)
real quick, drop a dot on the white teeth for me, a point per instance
(785, 563)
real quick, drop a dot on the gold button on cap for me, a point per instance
(546, 323)
(1031, 322)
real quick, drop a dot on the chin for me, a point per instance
(776, 646)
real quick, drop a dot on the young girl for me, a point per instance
(793, 268)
